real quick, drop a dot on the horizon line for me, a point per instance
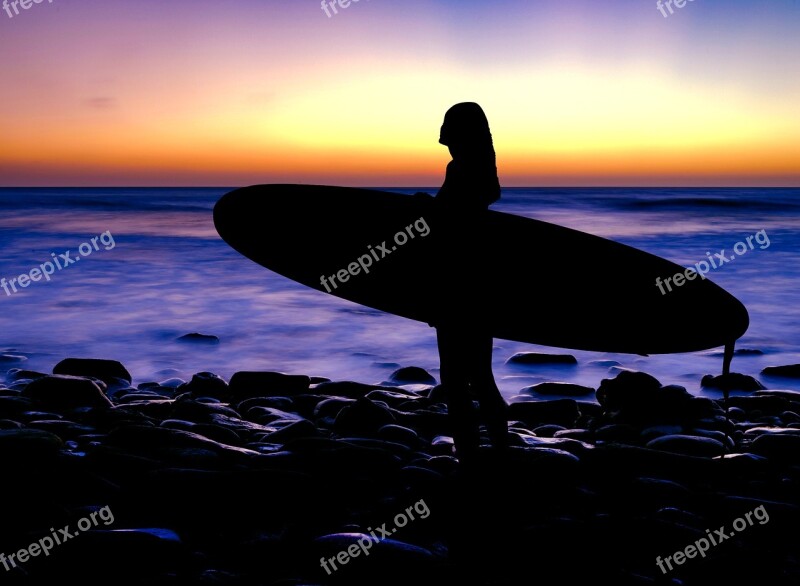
(727, 186)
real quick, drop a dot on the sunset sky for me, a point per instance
(233, 92)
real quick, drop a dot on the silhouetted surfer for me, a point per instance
(465, 343)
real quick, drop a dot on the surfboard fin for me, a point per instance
(728, 357)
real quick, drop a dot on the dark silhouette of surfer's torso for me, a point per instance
(470, 184)
(465, 343)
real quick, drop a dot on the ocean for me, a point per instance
(168, 274)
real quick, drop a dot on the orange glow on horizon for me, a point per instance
(224, 99)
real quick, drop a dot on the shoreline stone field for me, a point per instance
(256, 479)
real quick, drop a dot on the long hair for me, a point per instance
(466, 131)
(466, 125)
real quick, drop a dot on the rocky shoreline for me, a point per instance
(257, 479)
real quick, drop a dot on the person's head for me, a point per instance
(465, 131)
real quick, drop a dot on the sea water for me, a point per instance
(169, 274)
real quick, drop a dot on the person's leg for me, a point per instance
(453, 374)
(493, 407)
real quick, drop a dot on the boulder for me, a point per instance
(60, 392)
(108, 371)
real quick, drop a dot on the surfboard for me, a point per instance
(541, 283)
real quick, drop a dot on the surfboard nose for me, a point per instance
(229, 211)
(224, 207)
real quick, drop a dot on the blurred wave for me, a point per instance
(170, 274)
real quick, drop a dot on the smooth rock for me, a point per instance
(583, 435)
(615, 460)
(737, 414)
(11, 407)
(331, 407)
(197, 338)
(171, 383)
(590, 409)
(243, 427)
(401, 562)
(743, 463)
(732, 382)
(537, 358)
(720, 436)
(572, 446)
(765, 404)
(294, 430)
(157, 439)
(739, 352)
(554, 388)
(654, 431)
(786, 371)
(412, 375)
(627, 389)
(282, 403)
(106, 555)
(266, 415)
(206, 384)
(60, 392)
(688, 445)
(249, 384)
(400, 434)
(790, 417)
(781, 447)
(394, 398)
(558, 411)
(363, 416)
(437, 394)
(658, 490)
(108, 371)
(790, 395)
(604, 363)
(768, 420)
(66, 430)
(348, 389)
(617, 432)
(15, 374)
(28, 446)
(135, 397)
(700, 408)
(756, 431)
(548, 430)
(184, 407)
(213, 432)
